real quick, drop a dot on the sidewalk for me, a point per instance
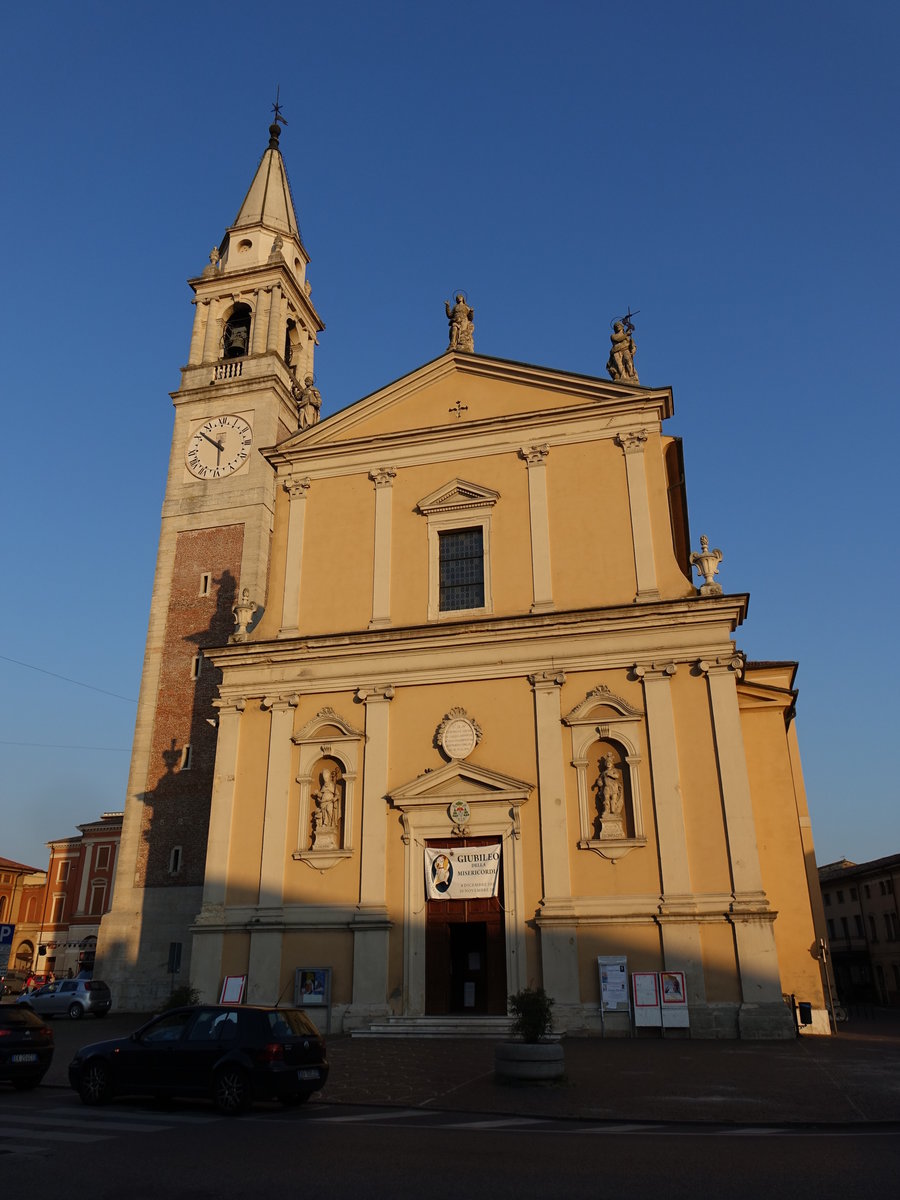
(851, 1078)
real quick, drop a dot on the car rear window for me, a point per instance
(291, 1022)
(11, 1016)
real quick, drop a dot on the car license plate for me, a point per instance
(24, 1058)
(307, 1073)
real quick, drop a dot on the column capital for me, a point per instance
(632, 441)
(296, 486)
(281, 703)
(376, 694)
(654, 670)
(545, 680)
(535, 456)
(383, 476)
(721, 665)
(230, 706)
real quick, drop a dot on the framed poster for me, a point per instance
(312, 987)
(674, 1000)
(233, 989)
(645, 994)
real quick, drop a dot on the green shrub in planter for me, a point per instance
(180, 998)
(532, 1009)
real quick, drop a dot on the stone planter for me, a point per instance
(529, 1062)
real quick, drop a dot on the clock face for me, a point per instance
(219, 447)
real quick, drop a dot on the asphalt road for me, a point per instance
(48, 1141)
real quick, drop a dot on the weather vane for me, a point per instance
(276, 107)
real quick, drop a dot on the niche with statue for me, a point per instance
(327, 809)
(606, 739)
(328, 763)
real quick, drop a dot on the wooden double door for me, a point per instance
(465, 950)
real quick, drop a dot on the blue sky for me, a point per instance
(730, 170)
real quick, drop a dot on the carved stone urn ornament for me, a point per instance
(707, 563)
(243, 610)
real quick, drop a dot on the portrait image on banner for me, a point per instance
(462, 872)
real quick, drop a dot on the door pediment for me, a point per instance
(460, 779)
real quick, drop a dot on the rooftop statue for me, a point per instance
(621, 356)
(462, 325)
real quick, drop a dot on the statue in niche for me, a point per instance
(309, 401)
(611, 799)
(327, 817)
(621, 355)
(462, 325)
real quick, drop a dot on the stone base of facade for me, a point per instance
(134, 945)
(765, 1021)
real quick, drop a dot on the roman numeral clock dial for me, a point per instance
(219, 447)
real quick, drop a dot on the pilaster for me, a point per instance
(633, 444)
(383, 479)
(682, 949)
(559, 940)
(539, 520)
(371, 926)
(297, 488)
(276, 835)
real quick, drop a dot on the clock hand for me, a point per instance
(212, 441)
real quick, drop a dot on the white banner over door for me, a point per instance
(462, 872)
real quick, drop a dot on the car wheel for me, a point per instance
(231, 1091)
(96, 1083)
(76, 1011)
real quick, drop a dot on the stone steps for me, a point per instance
(452, 1026)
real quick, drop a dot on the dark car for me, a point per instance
(231, 1054)
(70, 997)
(26, 1047)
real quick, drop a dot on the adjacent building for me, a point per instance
(432, 709)
(863, 922)
(57, 912)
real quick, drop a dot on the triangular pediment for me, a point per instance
(458, 779)
(455, 495)
(457, 393)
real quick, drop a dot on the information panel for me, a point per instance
(674, 1000)
(645, 993)
(613, 970)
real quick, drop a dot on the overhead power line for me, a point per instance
(66, 679)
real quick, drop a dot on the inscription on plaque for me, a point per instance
(458, 739)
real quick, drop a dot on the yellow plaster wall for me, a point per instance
(670, 578)
(638, 941)
(338, 555)
(720, 968)
(319, 948)
(781, 849)
(591, 551)
(271, 620)
(703, 814)
(235, 954)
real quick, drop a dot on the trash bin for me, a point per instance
(804, 1012)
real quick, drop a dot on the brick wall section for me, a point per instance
(176, 801)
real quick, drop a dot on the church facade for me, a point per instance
(431, 705)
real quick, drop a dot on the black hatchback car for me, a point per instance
(229, 1053)
(26, 1047)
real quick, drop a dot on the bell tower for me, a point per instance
(251, 352)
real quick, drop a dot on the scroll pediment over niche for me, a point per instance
(455, 495)
(325, 724)
(602, 704)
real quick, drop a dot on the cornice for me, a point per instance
(583, 641)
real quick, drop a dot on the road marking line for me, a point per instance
(53, 1135)
(81, 1123)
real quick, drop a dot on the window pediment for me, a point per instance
(457, 495)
